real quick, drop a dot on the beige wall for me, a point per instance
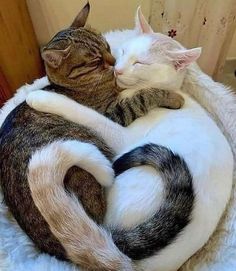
(186, 16)
(49, 16)
(206, 23)
(232, 50)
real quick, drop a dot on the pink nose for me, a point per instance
(118, 72)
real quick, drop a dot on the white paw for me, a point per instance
(38, 99)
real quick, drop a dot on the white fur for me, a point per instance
(119, 37)
(18, 253)
(75, 153)
(189, 132)
(136, 194)
(39, 99)
(47, 168)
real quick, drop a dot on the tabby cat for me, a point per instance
(78, 64)
(145, 58)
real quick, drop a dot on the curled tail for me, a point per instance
(175, 211)
(85, 242)
(91, 246)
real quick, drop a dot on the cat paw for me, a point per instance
(176, 101)
(38, 99)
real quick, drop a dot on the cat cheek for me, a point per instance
(137, 67)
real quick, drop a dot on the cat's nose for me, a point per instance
(118, 72)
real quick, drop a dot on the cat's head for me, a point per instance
(77, 55)
(152, 59)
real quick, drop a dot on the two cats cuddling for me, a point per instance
(112, 166)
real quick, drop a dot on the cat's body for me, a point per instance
(24, 131)
(19, 139)
(197, 138)
(189, 132)
(77, 63)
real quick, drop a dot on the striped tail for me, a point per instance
(92, 246)
(175, 211)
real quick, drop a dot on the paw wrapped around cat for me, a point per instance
(150, 59)
(78, 63)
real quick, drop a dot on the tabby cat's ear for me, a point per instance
(141, 24)
(182, 58)
(82, 17)
(53, 58)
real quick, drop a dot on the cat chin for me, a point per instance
(123, 84)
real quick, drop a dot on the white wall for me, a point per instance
(49, 16)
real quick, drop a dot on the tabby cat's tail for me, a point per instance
(176, 208)
(85, 242)
(79, 235)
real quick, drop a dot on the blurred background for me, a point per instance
(25, 25)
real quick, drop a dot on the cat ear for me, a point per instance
(54, 58)
(82, 17)
(141, 23)
(183, 58)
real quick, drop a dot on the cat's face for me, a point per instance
(77, 55)
(152, 59)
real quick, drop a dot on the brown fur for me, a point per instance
(25, 130)
(77, 62)
(89, 243)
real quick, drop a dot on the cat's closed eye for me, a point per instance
(93, 62)
(82, 69)
(139, 63)
(121, 52)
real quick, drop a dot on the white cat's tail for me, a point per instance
(90, 246)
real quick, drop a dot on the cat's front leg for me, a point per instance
(49, 102)
(46, 102)
(154, 97)
(138, 103)
(168, 99)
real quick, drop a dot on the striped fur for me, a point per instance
(64, 214)
(174, 214)
(79, 65)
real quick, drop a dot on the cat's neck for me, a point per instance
(96, 95)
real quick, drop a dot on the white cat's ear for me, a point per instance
(183, 58)
(53, 58)
(141, 24)
(82, 17)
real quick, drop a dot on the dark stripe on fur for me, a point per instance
(175, 212)
(132, 113)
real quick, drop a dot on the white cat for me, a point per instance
(153, 60)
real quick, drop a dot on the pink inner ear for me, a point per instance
(52, 58)
(141, 23)
(183, 58)
(180, 64)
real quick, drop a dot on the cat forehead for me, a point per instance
(83, 36)
(138, 45)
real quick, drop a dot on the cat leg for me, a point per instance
(129, 108)
(113, 134)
